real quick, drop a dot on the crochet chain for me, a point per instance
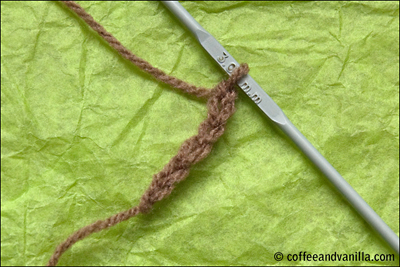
(220, 105)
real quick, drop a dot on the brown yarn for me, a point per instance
(142, 64)
(221, 106)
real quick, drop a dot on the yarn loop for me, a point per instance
(221, 106)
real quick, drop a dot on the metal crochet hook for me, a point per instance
(272, 110)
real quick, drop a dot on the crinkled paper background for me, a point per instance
(83, 130)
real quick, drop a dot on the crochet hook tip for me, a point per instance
(225, 60)
(272, 110)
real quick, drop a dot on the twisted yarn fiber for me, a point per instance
(221, 106)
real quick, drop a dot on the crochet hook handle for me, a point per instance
(272, 110)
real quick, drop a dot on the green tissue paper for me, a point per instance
(83, 131)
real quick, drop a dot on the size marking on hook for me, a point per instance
(256, 99)
(253, 96)
(245, 87)
(221, 59)
(231, 67)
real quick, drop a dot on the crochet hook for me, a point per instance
(276, 115)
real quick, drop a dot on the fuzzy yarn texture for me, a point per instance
(221, 106)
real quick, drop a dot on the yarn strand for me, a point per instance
(141, 63)
(220, 105)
